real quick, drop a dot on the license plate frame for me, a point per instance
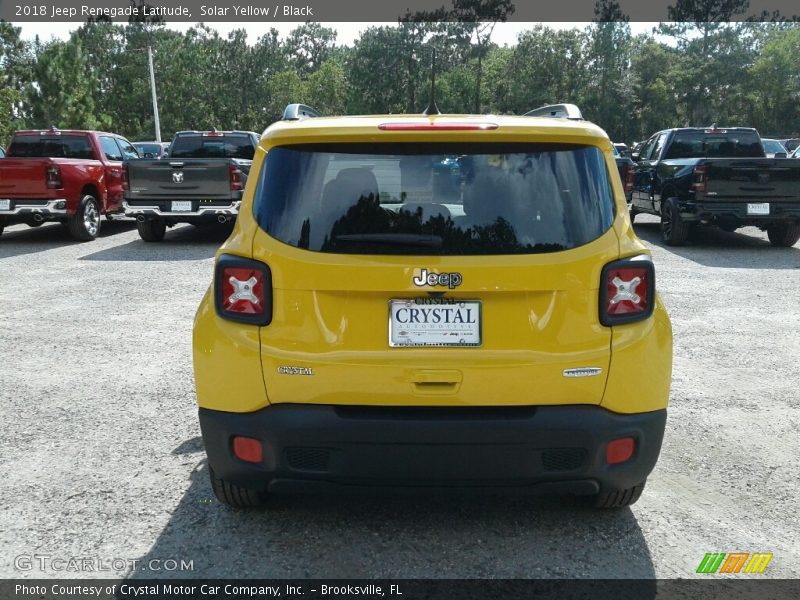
(181, 206)
(5, 204)
(466, 333)
(758, 208)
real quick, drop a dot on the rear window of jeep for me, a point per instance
(434, 199)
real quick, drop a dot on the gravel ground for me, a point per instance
(101, 456)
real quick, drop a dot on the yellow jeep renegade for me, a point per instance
(433, 301)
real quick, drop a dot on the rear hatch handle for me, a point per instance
(435, 381)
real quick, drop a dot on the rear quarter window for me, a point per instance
(434, 199)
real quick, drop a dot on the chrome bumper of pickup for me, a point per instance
(51, 208)
(703, 210)
(155, 211)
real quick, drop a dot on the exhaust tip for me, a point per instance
(38, 217)
(223, 219)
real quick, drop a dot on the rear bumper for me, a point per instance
(737, 211)
(25, 209)
(548, 449)
(161, 209)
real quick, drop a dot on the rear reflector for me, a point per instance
(428, 126)
(627, 291)
(243, 290)
(247, 449)
(620, 451)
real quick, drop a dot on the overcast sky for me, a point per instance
(504, 33)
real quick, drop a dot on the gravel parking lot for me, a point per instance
(101, 455)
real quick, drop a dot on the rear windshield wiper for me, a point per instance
(402, 239)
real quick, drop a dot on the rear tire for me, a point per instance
(84, 225)
(152, 230)
(632, 212)
(674, 230)
(784, 235)
(233, 495)
(619, 499)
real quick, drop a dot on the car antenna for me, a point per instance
(432, 108)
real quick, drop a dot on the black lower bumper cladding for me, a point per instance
(548, 449)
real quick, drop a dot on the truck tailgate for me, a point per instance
(756, 179)
(202, 179)
(24, 178)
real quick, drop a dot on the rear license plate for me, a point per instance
(5, 204)
(760, 208)
(182, 206)
(414, 324)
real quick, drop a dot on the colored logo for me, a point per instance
(735, 562)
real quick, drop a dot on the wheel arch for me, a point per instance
(669, 191)
(94, 191)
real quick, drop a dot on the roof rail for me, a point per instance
(557, 111)
(294, 112)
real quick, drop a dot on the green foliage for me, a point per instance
(15, 75)
(695, 72)
(774, 81)
(547, 66)
(64, 92)
(327, 88)
(309, 46)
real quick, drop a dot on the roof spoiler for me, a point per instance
(557, 111)
(294, 112)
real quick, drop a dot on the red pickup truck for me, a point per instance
(63, 175)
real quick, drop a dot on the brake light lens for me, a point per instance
(628, 179)
(53, 177)
(237, 179)
(699, 179)
(627, 291)
(125, 184)
(243, 290)
(428, 126)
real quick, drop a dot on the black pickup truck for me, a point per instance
(202, 181)
(716, 176)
